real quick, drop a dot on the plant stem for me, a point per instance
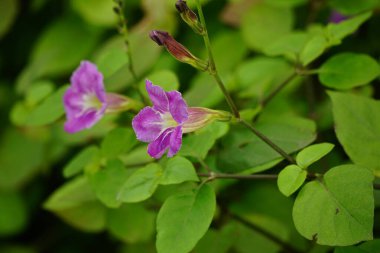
(285, 246)
(212, 67)
(237, 176)
(123, 30)
(268, 141)
(278, 89)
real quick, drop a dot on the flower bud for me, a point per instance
(189, 17)
(176, 49)
(200, 117)
(118, 103)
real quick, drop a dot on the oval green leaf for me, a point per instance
(290, 179)
(313, 153)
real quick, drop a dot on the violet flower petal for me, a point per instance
(175, 141)
(177, 106)
(86, 120)
(158, 97)
(158, 147)
(87, 79)
(147, 124)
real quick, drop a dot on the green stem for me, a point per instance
(212, 67)
(123, 30)
(237, 176)
(278, 89)
(268, 141)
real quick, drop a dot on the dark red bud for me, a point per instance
(159, 37)
(181, 6)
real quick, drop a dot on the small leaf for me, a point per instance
(350, 7)
(327, 212)
(348, 70)
(48, 111)
(167, 79)
(80, 161)
(178, 170)
(313, 153)
(263, 24)
(8, 13)
(337, 32)
(118, 141)
(75, 203)
(184, 219)
(101, 12)
(13, 213)
(131, 223)
(313, 49)
(107, 182)
(289, 45)
(357, 126)
(141, 184)
(290, 179)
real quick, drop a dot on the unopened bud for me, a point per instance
(118, 103)
(200, 117)
(176, 49)
(189, 17)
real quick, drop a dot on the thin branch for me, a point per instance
(237, 176)
(278, 89)
(284, 245)
(268, 141)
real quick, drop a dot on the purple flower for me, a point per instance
(337, 17)
(161, 125)
(85, 100)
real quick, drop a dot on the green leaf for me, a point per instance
(80, 161)
(111, 60)
(131, 223)
(106, 183)
(285, 3)
(167, 79)
(184, 219)
(263, 24)
(350, 7)
(178, 170)
(13, 213)
(290, 179)
(48, 111)
(289, 45)
(337, 32)
(357, 126)
(313, 49)
(20, 158)
(313, 153)
(117, 142)
(8, 13)
(75, 203)
(328, 213)
(243, 150)
(348, 70)
(141, 184)
(59, 50)
(101, 12)
(38, 91)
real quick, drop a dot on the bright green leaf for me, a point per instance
(167, 79)
(357, 126)
(110, 61)
(106, 183)
(38, 91)
(80, 161)
(178, 170)
(75, 203)
(118, 141)
(313, 49)
(328, 213)
(184, 219)
(337, 32)
(131, 223)
(141, 184)
(290, 179)
(263, 24)
(101, 12)
(313, 153)
(289, 45)
(348, 70)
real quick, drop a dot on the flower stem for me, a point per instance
(278, 89)
(123, 30)
(212, 67)
(268, 141)
(237, 176)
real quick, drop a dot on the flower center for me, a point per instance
(168, 120)
(91, 101)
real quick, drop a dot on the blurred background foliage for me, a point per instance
(43, 41)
